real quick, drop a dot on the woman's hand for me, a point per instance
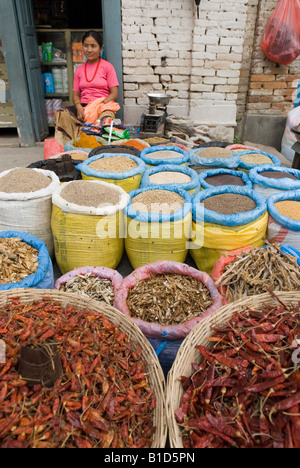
(80, 112)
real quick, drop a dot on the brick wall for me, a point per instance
(272, 87)
(212, 67)
(166, 48)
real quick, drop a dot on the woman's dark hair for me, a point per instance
(96, 35)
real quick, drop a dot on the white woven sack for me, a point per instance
(30, 212)
(266, 191)
(68, 207)
(278, 234)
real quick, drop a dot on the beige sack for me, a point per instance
(67, 126)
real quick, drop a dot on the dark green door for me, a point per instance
(24, 70)
(32, 62)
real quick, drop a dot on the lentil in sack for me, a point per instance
(223, 177)
(269, 180)
(225, 219)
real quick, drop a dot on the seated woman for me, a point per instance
(94, 79)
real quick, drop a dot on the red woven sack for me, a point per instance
(281, 39)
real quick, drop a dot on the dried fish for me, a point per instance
(258, 270)
(169, 299)
(17, 260)
(92, 286)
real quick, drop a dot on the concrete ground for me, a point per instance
(12, 155)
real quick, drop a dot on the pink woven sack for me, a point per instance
(155, 330)
(101, 272)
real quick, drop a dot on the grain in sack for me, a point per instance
(284, 218)
(213, 157)
(26, 202)
(171, 176)
(123, 170)
(251, 159)
(88, 224)
(159, 221)
(157, 155)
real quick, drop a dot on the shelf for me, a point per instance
(55, 64)
(56, 95)
(56, 30)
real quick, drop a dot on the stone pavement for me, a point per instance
(12, 155)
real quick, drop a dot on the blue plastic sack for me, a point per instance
(147, 152)
(213, 172)
(43, 278)
(85, 168)
(193, 184)
(288, 223)
(166, 352)
(200, 214)
(249, 166)
(228, 163)
(280, 184)
(288, 249)
(146, 217)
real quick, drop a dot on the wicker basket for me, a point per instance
(156, 376)
(188, 354)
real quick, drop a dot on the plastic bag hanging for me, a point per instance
(281, 39)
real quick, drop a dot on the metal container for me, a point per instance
(157, 99)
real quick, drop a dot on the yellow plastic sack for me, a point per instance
(154, 236)
(85, 238)
(129, 184)
(128, 180)
(150, 242)
(211, 241)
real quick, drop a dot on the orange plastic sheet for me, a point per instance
(96, 107)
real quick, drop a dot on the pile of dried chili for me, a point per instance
(103, 399)
(245, 393)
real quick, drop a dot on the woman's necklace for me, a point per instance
(89, 81)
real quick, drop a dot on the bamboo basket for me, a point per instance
(188, 354)
(156, 376)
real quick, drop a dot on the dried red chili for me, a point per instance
(246, 391)
(94, 403)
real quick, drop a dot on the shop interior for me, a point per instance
(70, 14)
